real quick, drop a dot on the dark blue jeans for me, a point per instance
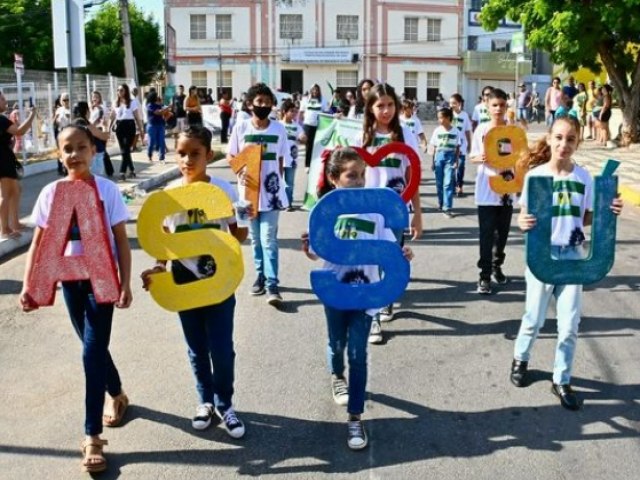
(349, 329)
(92, 322)
(156, 140)
(208, 332)
(460, 171)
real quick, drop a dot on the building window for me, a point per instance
(433, 29)
(290, 26)
(411, 29)
(226, 84)
(500, 45)
(346, 80)
(472, 42)
(199, 78)
(433, 85)
(198, 27)
(411, 85)
(347, 27)
(476, 4)
(223, 27)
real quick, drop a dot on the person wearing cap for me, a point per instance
(525, 101)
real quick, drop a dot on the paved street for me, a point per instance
(439, 403)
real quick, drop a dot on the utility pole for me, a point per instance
(129, 68)
(219, 71)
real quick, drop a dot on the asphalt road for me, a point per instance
(439, 402)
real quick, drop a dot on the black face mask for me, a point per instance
(261, 112)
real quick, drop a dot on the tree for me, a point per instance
(105, 51)
(25, 27)
(579, 33)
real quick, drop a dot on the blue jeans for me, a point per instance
(264, 243)
(349, 329)
(97, 165)
(289, 178)
(460, 171)
(445, 183)
(208, 332)
(156, 140)
(92, 323)
(568, 306)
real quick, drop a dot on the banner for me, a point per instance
(331, 133)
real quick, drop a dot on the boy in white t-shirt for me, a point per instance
(494, 210)
(409, 119)
(462, 122)
(272, 136)
(481, 110)
(294, 135)
(445, 143)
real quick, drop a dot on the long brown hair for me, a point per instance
(540, 152)
(369, 127)
(127, 95)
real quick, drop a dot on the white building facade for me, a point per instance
(413, 45)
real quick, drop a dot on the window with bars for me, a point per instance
(347, 27)
(198, 27)
(290, 26)
(476, 4)
(433, 85)
(346, 80)
(226, 85)
(223, 27)
(433, 29)
(411, 85)
(411, 29)
(199, 78)
(472, 42)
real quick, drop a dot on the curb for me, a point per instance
(7, 247)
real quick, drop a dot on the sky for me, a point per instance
(154, 7)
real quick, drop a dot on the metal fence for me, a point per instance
(41, 88)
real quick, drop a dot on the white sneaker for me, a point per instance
(231, 423)
(386, 313)
(202, 420)
(339, 390)
(375, 334)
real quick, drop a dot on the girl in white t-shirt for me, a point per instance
(462, 122)
(310, 108)
(295, 135)
(348, 329)
(381, 126)
(572, 200)
(207, 330)
(91, 320)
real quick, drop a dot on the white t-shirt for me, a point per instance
(115, 212)
(125, 113)
(242, 116)
(445, 140)
(572, 197)
(312, 107)
(484, 195)
(294, 130)
(462, 122)
(481, 113)
(413, 123)
(62, 117)
(274, 145)
(391, 171)
(368, 226)
(202, 266)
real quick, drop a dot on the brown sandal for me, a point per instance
(93, 461)
(113, 412)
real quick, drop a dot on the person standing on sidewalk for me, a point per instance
(156, 125)
(193, 108)
(92, 321)
(572, 203)
(310, 108)
(177, 107)
(10, 191)
(226, 111)
(208, 330)
(126, 115)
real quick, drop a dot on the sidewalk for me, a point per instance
(149, 175)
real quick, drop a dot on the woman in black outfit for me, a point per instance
(126, 116)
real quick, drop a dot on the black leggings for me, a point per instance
(125, 131)
(310, 132)
(224, 131)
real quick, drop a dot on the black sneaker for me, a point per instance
(499, 277)
(258, 286)
(518, 372)
(231, 423)
(202, 420)
(568, 398)
(273, 296)
(357, 436)
(484, 286)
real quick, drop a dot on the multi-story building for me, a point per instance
(290, 44)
